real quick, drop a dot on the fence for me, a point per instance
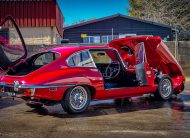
(182, 55)
(182, 49)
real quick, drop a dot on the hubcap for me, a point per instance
(78, 97)
(166, 88)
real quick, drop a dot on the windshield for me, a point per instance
(11, 46)
(104, 56)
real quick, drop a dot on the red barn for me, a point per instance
(40, 21)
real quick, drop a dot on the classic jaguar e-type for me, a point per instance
(75, 75)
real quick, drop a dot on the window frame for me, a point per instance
(90, 56)
(40, 54)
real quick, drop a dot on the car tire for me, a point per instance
(35, 106)
(76, 100)
(165, 87)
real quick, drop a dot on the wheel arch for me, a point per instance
(160, 76)
(91, 89)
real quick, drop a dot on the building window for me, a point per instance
(108, 38)
(126, 35)
(86, 40)
(104, 39)
(91, 39)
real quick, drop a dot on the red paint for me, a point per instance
(59, 73)
(157, 53)
(53, 74)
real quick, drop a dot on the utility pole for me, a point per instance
(112, 33)
(176, 43)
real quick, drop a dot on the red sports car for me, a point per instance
(75, 75)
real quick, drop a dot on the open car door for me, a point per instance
(12, 46)
(141, 61)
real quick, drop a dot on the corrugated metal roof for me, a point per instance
(33, 13)
(26, 0)
(114, 16)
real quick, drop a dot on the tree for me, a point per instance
(171, 12)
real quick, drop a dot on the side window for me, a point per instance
(80, 59)
(140, 53)
(45, 59)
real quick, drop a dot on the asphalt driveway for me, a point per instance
(141, 117)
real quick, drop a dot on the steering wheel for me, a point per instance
(112, 72)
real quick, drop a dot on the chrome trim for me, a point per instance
(15, 85)
(45, 86)
(36, 86)
(120, 58)
(92, 59)
(33, 92)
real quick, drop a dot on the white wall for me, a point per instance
(40, 35)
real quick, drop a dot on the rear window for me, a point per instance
(46, 58)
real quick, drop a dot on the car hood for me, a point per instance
(157, 53)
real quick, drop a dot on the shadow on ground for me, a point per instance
(110, 107)
(7, 102)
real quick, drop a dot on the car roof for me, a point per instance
(67, 50)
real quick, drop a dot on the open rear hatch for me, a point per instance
(12, 46)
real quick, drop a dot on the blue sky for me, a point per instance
(76, 10)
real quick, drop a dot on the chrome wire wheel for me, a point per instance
(165, 88)
(78, 98)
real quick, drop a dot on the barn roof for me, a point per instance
(33, 13)
(115, 16)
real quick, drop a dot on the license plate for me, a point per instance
(16, 89)
(12, 94)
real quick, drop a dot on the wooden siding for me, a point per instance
(120, 25)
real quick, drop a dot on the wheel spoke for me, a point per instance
(166, 88)
(78, 97)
